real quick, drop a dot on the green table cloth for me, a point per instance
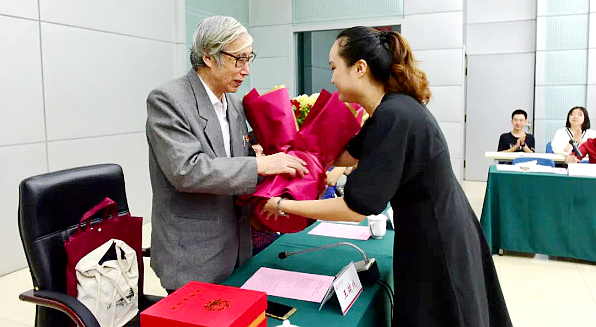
(372, 307)
(540, 213)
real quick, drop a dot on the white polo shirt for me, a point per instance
(221, 110)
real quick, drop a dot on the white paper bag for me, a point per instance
(109, 290)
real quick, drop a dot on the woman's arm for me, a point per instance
(334, 209)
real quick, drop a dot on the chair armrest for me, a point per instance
(76, 310)
(146, 252)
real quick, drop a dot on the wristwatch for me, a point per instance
(279, 211)
(522, 145)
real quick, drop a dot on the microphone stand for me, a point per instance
(368, 270)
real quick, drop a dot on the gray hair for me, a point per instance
(212, 35)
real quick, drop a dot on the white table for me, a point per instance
(509, 156)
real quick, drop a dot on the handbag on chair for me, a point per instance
(90, 236)
(109, 288)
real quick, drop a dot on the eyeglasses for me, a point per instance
(241, 61)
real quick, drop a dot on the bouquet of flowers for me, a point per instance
(301, 105)
(314, 128)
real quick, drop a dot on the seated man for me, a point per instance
(517, 140)
(587, 148)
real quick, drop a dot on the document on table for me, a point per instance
(289, 284)
(532, 167)
(341, 231)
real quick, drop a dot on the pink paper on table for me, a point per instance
(342, 231)
(289, 284)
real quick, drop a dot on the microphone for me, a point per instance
(578, 153)
(367, 269)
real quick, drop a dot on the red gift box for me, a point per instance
(199, 304)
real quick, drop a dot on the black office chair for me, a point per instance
(50, 207)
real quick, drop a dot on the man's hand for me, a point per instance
(571, 159)
(281, 163)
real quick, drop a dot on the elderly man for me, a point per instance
(199, 161)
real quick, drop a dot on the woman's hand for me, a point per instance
(270, 208)
(571, 159)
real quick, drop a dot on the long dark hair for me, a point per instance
(586, 124)
(389, 57)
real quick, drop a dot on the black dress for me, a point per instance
(443, 269)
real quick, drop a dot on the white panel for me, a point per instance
(430, 6)
(482, 11)
(553, 102)
(566, 7)
(18, 162)
(592, 66)
(97, 83)
(313, 11)
(501, 37)
(496, 85)
(182, 57)
(442, 67)
(561, 67)
(591, 104)
(592, 5)
(541, 8)
(434, 31)
(540, 67)
(566, 67)
(129, 151)
(454, 136)
(19, 8)
(271, 41)
(447, 103)
(180, 21)
(20, 91)
(155, 19)
(270, 12)
(268, 72)
(565, 32)
(592, 30)
(541, 33)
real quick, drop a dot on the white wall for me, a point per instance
(271, 29)
(591, 99)
(76, 75)
(562, 29)
(500, 48)
(434, 29)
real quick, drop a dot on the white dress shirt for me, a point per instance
(221, 110)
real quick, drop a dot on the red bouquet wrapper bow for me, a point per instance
(324, 134)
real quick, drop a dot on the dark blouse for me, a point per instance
(443, 269)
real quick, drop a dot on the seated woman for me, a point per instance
(577, 129)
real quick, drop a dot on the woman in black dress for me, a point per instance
(443, 268)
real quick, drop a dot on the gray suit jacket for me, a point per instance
(197, 231)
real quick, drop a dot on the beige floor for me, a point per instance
(540, 292)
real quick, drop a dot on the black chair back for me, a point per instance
(50, 208)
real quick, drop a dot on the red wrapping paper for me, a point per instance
(323, 135)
